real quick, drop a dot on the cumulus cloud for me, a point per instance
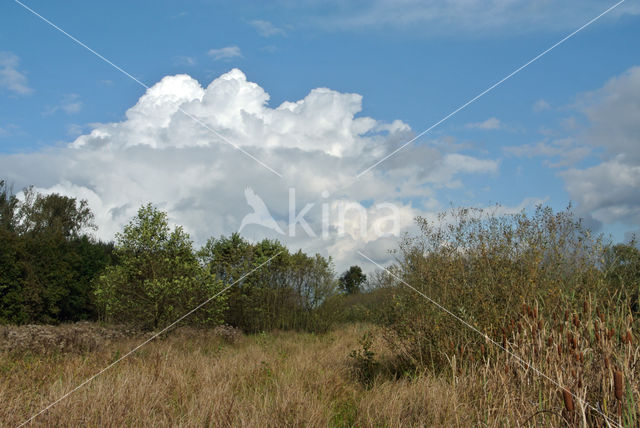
(11, 78)
(164, 152)
(226, 53)
(490, 124)
(266, 28)
(608, 191)
(613, 112)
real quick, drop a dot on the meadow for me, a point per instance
(199, 378)
(196, 377)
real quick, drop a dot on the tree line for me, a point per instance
(52, 270)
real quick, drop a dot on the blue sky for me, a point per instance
(537, 137)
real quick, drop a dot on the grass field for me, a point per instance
(194, 378)
(202, 378)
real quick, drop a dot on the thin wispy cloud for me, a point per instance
(266, 28)
(11, 79)
(180, 14)
(225, 53)
(10, 130)
(541, 105)
(557, 153)
(463, 17)
(70, 104)
(491, 124)
(187, 61)
(74, 130)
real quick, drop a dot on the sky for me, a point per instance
(209, 109)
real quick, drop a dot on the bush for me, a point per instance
(483, 265)
(159, 277)
(365, 366)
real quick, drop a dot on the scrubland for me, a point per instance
(195, 377)
(483, 318)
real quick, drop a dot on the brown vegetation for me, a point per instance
(196, 377)
(65, 338)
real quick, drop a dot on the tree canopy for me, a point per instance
(352, 280)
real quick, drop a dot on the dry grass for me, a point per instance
(204, 378)
(195, 378)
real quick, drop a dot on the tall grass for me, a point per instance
(198, 378)
(194, 378)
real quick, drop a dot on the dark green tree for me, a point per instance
(8, 207)
(352, 280)
(47, 261)
(11, 252)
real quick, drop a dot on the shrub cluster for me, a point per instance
(483, 265)
(541, 286)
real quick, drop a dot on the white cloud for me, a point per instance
(10, 78)
(613, 111)
(158, 154)
(490, 124)
(266, 28)
(227, 52)
(608, 192)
